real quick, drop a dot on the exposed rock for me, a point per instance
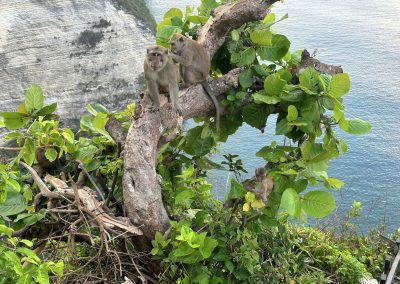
(78, 51)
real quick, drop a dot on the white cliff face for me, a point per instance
(79, 51)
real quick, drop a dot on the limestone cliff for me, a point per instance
(79, 51)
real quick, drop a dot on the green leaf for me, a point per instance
(30, 254)
(261, 37)
(237, 190)
(262, 98)
(14, 261)
(13, 205)
(31, 218)
(256, 115)
(34, 98)
(246, 78)
(279, 47)
(184, 195)
(235, 35)
(165, 33)
(343, 146)
(86, 153)
(285, 74)
(195, 145)
(13, 184)
(28, 243)
(269, 18)
(318, 204)
(292, 113)
(68, 135)
(290, 201)
(25, 279)
(99, 123)
(206, 7)
(208, 247)
(14, 120)
(260, 70)
(247, 57)
(57, 268)
(6, 230)
(334, 183)
(273, 84)
(197, 19)
(309, 79)
(51, 154)
(47, 110)
(42, 275)
(173, 12)
(229, 265)
(358, 127)
(340, 85)
(29, 151)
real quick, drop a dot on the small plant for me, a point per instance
(19, 264)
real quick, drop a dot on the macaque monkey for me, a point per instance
(195, 65)
(264, 184)
(161, 72)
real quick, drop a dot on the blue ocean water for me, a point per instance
(364, 38)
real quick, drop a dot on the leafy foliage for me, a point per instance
(245, 239)
(20, 264)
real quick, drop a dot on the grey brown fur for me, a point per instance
(161, 72)
(195, 65)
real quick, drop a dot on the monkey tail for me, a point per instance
(209, 92)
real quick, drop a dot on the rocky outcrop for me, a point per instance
(79, 51)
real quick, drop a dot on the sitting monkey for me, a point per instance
(161, 72)
(195, 65)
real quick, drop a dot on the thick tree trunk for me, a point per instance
(142, 190)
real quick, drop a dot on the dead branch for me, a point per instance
(85, 201)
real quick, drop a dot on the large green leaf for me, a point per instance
(274, 85)
(262, 98)
(184, 195)
(291, 202)
(247, 57)
(256, 115)
(339, 85)
(208, 247)
(14, 204)
(14, 120)
(34, 98)
(47, 109)
(86, 153)
(195, 145)
(318, 203)
(279, 47)
(173, 12)
(236, 191)
(357, 126)
(51, 154)
(246, 78)
(309, 79)
(261, 37)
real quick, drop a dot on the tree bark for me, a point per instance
(141, 187)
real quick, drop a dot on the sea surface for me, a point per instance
(364, 38)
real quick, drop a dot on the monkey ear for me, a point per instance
(148, 50)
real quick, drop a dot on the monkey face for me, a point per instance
(157, 57)
(177, 43)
